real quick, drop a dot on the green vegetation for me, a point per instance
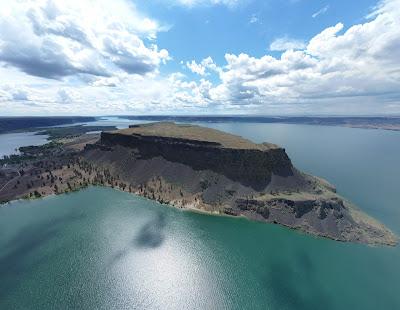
(71, 131)
(45, 148)
(33, 152)
(52, 148)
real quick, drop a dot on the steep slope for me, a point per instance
(200, 168)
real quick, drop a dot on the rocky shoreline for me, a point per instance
(195, 168)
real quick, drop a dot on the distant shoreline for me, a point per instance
(391, 123)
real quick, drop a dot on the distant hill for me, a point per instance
(368, 122)
(8, 124)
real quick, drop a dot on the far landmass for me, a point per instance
(366, 122)
(13, 124)
(195, 168)
(28, 123)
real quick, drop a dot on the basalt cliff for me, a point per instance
(204, 169)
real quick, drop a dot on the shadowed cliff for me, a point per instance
(200, 168)
(206, 149)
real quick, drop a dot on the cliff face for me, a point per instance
(200, 168)
(250, 167)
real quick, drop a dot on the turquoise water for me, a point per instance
(104, 249)
(364, 164)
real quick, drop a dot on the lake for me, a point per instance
(10, 142)
(105, 249)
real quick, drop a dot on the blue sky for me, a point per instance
(292, 57)
(206, 30)
(199, 31)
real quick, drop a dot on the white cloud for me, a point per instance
(321, 11)
(201, 68)
(68, 95)
(56, 38)
(335, 71)
(20, 95)
(196, 68)
(113, 81)
(339, 70)
(193, 3)
(253, 19)
(285, 43)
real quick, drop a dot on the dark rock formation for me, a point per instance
(250, 166)
(205, 169)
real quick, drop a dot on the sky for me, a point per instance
(197, 57)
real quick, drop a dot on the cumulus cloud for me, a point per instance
(113, 81)
(55, 38)
(336, 66)
(67, 95)
(201, 68)
(286, 43)
(20, 95)
(342, 69)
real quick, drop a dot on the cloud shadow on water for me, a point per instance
(150, 236)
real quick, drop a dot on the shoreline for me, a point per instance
(203, 212)
(277, 194)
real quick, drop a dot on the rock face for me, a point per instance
(200, 168)
(248, 163)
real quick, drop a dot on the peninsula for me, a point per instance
(196, 168)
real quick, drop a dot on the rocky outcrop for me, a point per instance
(204, 169)
(251, 167)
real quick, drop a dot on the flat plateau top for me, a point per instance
(196, 133)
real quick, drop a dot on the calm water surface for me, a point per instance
(118, 122)
(100, 248)
(10, 142)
